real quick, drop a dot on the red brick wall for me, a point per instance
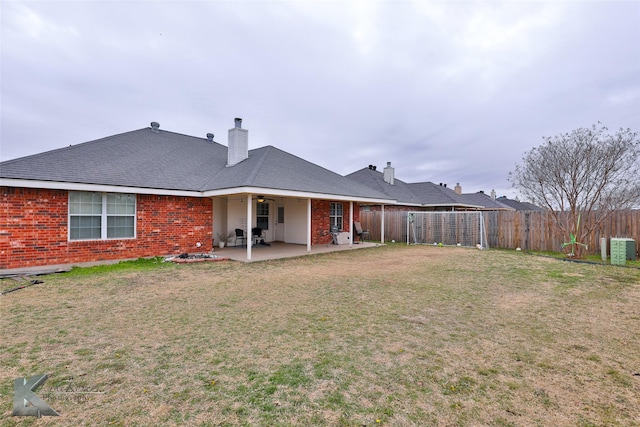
(320, 210)
(33, 229)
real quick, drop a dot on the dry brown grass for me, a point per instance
(394, 335)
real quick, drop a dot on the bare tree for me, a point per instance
(582, 177)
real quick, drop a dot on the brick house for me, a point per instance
(152, 192)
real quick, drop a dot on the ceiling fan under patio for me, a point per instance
(262, 199)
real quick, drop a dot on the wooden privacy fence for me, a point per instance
(537, 231)
(529, 230)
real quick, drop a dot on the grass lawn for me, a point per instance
(395, 335)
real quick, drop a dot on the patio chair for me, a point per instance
(240, 236)
(357, 228)
(258, 235)
(334, 231)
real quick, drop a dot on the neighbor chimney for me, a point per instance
(389, 174)
(238, 144)
(493, 194)
(457, 188)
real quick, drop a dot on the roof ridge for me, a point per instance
(260, 161)
(70, 147)
(96, 141)
(161, 131)
(300, 158)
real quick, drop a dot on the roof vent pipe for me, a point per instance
(210, 137)
(155, 126)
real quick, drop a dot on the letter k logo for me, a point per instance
(25, 401)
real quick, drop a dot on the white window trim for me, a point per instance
(341, 216)
(103, 222)
(267, 216)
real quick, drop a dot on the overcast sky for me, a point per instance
(448, 91)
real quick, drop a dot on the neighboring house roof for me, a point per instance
(400, 191)
(158, 159)
(486, 201)
(439, 195)
(423, 194)
(518, 205)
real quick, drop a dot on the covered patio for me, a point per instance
(309, 219)
(278, 250)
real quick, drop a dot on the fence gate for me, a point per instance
(447, 228)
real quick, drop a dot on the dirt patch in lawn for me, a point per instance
(392, 335)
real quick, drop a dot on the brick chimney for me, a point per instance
(389, 174)
(238, 144)
(457, 188)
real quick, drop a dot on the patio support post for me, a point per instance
(308, 225)
(351, 222)
(382, 225)
(248, 230)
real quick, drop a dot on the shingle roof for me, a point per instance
(417, 194)
(140, 158)
(519, 206)
(480, 198)
(400, 191)
(271, 168)
(438, 194)
(166, 160)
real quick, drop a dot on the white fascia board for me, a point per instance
(458, 205)
(273, 192)
(74, 186)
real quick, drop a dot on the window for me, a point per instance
(121, 215)
(335, 216)
(280, 214)
(262, 216)
(100, 216)
(85, 215)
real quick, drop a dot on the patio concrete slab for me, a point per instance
(277, 250)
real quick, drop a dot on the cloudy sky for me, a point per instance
(448, 91)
